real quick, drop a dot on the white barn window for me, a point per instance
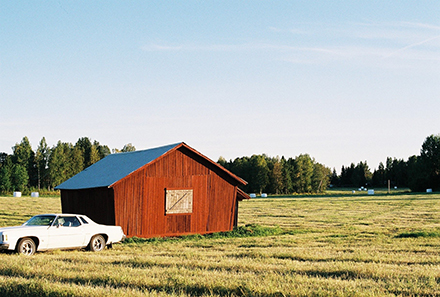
(179, 201)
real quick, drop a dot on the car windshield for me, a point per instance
(40, 221)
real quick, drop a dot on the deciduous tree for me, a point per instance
(6, 175)
(59, 165)
(320, 178)
(24, 155)
(276, 176)
(20, 177)
(303, 172)
(259, 173)
(41, 162)
(430, 155)
(128, 148)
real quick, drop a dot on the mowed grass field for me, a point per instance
(381, 245)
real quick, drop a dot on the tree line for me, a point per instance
(419, 172)
(304, 175)
(26, 170)
(301, 174)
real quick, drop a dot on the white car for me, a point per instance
(59, 231)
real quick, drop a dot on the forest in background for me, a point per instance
(303, 174)
(26, 170)
(419, 172)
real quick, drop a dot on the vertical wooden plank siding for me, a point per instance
(201, 204)
(140, 197)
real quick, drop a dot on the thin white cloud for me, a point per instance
(412, 45)
(357, 43)
(193, 47)
(356, 31)
(161, 47)
(419, 25)
(275, 29)
(235, 47)
(370, 55)
(291, 30)
(369, 43)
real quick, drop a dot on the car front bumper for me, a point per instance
(4, 246)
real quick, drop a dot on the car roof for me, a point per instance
(61, 214)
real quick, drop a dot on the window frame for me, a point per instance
(170, 201)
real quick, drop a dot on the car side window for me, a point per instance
(74, 222)
(83, 220)
(59, 221)
(68, 222)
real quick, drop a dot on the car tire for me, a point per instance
(97, 243)
(26, 246)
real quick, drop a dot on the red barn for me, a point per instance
(164, 191)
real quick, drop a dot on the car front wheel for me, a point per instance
(97, 243)
(26, 246)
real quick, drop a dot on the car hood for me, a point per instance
(22, 228)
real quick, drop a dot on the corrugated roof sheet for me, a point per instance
(112, 168)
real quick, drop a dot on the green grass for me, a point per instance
(250, 230)
(347, 245)
(16, 210)
(344, 192)
(418, 234)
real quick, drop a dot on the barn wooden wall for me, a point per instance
(140, 197)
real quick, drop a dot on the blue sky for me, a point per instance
(343, 81)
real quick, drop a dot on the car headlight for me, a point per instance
(4, 237)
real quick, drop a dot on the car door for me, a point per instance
(66, 232)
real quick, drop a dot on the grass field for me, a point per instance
(381, 245)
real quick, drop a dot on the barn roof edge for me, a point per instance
(115, 167)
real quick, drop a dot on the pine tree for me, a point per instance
(6, 175)
(41, 162)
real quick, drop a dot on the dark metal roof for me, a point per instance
(112, 168)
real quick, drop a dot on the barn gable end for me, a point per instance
(137, 202)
